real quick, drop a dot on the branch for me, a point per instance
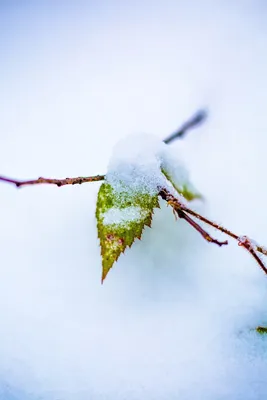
(203, 233)
(199, 117)
(59, 182)
(244, 241)
(193, 122)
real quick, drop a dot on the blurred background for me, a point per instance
(176, 316)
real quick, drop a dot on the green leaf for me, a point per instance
(262, 330)
(121, 218)
(186, 189)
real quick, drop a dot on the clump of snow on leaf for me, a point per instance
(137, 164)
(121, 216)
(142, 163)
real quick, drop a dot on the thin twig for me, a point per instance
(199, 117)
(261, 249)
(243, 241)
(193, 122)
(199, 229)
(248, 244)
(58, 182)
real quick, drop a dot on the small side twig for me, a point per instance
(57, 182)
(243, 241)
(198, 228)
(193, 122)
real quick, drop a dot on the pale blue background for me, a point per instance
(173, 318)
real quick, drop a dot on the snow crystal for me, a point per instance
(245, 240)
(124, 215)
(136, 165)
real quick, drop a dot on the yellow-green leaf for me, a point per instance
(121, 218)
(186, 189)
(262, 330)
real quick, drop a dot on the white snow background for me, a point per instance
(175, 315)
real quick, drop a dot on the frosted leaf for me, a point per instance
(176, 173)
(121, 218)
(140, 166)
(143, 163)
(262, 330)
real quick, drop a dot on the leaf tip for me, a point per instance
(104, 275)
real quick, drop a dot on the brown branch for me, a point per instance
(58, 182)
(199, 229)
(261, 249)
(193, 122)
(248, 244)
(243, 241)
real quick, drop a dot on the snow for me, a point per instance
(172, 163)
(246, 240)
(136, 163)
(175, 319)
(120, 216)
